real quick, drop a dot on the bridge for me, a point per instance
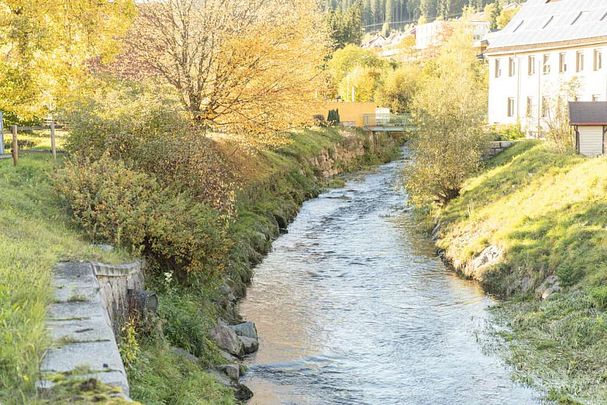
(388, 123)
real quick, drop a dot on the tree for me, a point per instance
(505, 16)
(449, 110)
(345, 27)
(346, 59)
(244, 67)
(399, 88)
(361, 84)
(558, 132)
(46, 45)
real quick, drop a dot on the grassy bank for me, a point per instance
(35, 233)
(544, 214)
(275, 185)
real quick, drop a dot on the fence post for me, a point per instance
(1, 134)
(53, 146)
(15, 148)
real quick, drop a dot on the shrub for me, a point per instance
(507, 133)
(333, 117)
(122, 206)
(151, 135)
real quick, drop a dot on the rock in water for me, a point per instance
(249, 345)
(227, 339)
(247, 329)
(243, 393)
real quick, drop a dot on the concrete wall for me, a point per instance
(521, 85)
(115, 283)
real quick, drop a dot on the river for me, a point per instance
(354, 307)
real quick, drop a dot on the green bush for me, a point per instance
(507, 133)
(117, 204)
(152, 136)
(333, 117)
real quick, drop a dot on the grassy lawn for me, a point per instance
(34, 235)
(548, 212)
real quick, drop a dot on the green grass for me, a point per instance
(35, 233)
(548, 212)
(35, 140)
(160, 376)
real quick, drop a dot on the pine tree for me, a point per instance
(389, 11)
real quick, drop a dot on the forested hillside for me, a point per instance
(399, 12)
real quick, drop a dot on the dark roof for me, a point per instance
(588, 113)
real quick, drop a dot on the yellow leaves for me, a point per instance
(49, 43)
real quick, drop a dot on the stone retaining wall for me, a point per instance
(117, 282)
(497, 147)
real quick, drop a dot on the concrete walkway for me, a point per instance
(83, 341)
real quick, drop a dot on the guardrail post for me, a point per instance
(1, 134)
(15, 147)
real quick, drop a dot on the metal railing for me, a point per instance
(387, 120)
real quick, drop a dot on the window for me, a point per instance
(498, 69)
(579, 61)
(511, 67)
(596, 97)
(562, 62)
(529, 107)
(531, 65)
(510, 107)
(598, 60)
(546, 64)
(544, 107)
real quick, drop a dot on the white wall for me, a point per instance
(522, 85)
(591, 141)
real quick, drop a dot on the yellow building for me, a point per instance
(351, 114)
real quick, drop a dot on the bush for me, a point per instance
(152, 136)
(333, 117)
(507, 133)
(130, 208)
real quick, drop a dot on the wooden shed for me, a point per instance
(589, 119)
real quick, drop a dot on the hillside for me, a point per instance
(532, 215)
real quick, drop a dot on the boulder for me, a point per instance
(550, 286)
(184, 354)
(246, 329)
(227, 339)
(491, 255)
(249, 345)
(231, 370)
(243, 393)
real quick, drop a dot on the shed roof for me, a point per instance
(588, 113)
(545, 22)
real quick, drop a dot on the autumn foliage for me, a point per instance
(249, 68)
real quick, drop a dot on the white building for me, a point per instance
(546, 48)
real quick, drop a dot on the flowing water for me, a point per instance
(353, 307)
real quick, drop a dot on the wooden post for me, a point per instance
(1, 134)
(53, 146)
(15, 148)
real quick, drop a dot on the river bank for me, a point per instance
(531, 228)
(278, 182)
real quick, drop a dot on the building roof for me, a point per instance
(588, 113)
(550, 22)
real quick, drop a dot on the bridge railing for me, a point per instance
(387, 120)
